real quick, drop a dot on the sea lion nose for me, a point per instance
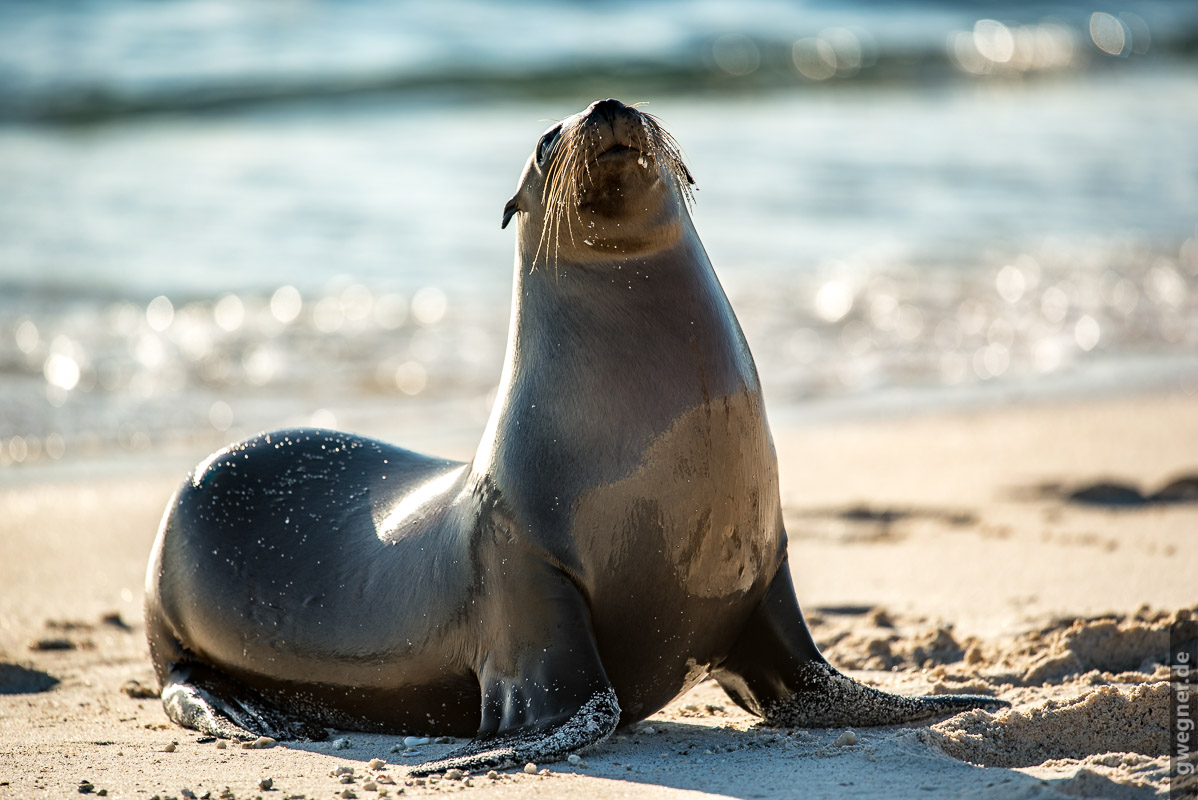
(607, 109)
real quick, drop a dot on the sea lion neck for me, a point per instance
(596, 335)
(594, 243)
(667, 257)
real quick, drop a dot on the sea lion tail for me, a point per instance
(831, 699)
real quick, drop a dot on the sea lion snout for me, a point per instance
(607, 109)
(625, 124)
(590, 184)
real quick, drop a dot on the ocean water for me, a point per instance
(221, 217)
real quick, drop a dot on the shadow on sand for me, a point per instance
(760, 763)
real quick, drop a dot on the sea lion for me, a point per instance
(617, 537)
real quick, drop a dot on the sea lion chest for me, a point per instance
(643, 414)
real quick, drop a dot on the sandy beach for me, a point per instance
(941, 552)
(960, 239)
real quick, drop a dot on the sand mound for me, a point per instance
(1113, 648)
(1112, 645)
(1118, 785)
(1114, 776)
(1106, 720)
(1104, 646)
(886, 647)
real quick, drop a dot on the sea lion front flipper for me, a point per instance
(776, 671)
(590, 725)
(545, 693)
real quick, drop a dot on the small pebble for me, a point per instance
(137, 691)
(170, 748)
(376, 763)
(266, 784)
(370, 786)
(342, 744)
(492, 775)
(348, 795)
(385, 779)
(347, 778)
(443, 740)
(454, 774)
(846, 738)
(187, 793)
(415, 741)
(342, 771)
(648, 730)
(85, 787)
(261, 743)
(222, 745)
(574, 759)
(544, 772)
(530, 768)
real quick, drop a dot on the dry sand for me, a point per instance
(936, 553)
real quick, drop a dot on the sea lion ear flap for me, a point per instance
(509, 211)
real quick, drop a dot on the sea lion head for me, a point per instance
(606, 182)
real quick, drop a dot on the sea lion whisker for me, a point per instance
(673, 155)
(559, 185)
(569, 173)
(562, 192)
(552, 193)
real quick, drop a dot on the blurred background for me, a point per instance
(218, 217)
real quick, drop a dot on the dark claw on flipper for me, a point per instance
(589, 726)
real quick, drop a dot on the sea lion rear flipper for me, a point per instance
(204, 700)
(545, 693)
(776, 671)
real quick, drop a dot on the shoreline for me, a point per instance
(451, 428)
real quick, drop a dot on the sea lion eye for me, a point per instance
(546, 140)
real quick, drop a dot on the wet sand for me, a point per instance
(1032, 552)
